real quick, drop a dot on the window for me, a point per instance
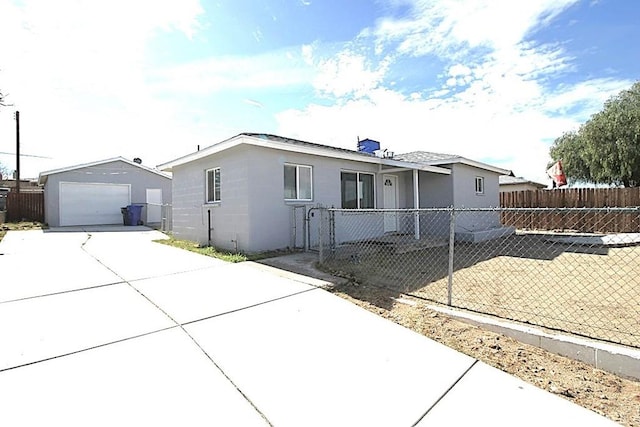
(479, 185)
(357, 190)
(297, 182)
(213, 185)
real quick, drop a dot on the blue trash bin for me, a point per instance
(134, 214)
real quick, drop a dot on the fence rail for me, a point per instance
(557, 277)
(599, 221)
(25, 206)
(572, 198)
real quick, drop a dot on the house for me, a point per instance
(252, 192)
(510, 183)
(93, 193)
(26, 185)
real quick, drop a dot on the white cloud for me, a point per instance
(443, 26)
(495, 102)
(81, 77)
(253, 103)
(307, 53)
(459, 70)
(77, 71)
(276, 69)
(580, 100)
(348, 73)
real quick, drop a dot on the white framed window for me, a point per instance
(213, 185)
(479, 185)
(298, 182)
(357, 190)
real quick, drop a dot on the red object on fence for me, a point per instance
(556, 173)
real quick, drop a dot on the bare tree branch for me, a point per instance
(3, 100)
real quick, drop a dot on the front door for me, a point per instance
(390, 196)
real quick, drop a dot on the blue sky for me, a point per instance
(494, 81)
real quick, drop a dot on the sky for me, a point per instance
(492, 80)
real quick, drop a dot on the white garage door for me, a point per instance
(92, 204)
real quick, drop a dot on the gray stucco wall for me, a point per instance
(465, 197)
(116, 172)
(252, 210)
(254, 216)
(464, 182)
(229, 217)
(270, 215)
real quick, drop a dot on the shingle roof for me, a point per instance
(292, 141)
(512, 180)
(439, 159)
(424, 157)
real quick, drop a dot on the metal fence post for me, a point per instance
(332, 231)
(320, 230)
(452, 235)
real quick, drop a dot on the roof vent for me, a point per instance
(368, 146)
(137, 160)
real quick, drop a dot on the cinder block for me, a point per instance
(620, 364)
(579, 352)
(522, 336)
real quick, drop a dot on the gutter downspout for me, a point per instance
(209, 227)
(416, 204)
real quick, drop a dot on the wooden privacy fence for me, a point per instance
(598, 219)
(27, 206)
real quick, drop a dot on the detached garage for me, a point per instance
(93, 193)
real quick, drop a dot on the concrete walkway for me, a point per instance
(105, 327)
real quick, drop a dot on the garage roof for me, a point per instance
(42, 179)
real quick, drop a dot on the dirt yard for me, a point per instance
(586, 290)
(604, 393)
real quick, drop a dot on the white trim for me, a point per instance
(316, 151)
(298, 166)
(42, 178)
(206, 186)
(468, 162)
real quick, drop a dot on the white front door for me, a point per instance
(390, 196)
(154, 205)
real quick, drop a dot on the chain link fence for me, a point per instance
(166, 218)
(572, 269)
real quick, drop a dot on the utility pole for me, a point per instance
(18, 152)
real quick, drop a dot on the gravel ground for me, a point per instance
(587, 290)
(602, 392)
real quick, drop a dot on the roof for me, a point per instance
(42, 179)
(514, 180)
(298, 146)
(298, 142)
(438, 159)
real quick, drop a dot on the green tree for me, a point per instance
(606, 149)
(569, 149)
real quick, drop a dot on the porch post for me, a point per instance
(416, 204)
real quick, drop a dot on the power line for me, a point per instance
(24, 155)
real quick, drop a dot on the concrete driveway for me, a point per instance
(105, 327)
